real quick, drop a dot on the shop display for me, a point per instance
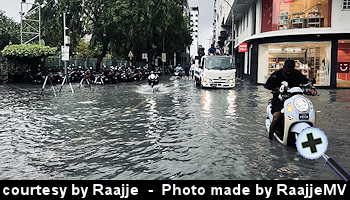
(280, 15)
(308, 62)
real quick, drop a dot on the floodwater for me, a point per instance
(127, 131)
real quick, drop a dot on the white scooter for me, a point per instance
(298, 112)
(153, 80)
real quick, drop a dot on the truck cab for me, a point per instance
(216, 72)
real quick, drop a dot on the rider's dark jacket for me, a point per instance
(294, 79)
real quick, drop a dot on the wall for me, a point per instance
(245, 31)
(222, 15)
(340, 17)
(258, 17)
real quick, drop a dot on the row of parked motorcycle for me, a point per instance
(106, 75)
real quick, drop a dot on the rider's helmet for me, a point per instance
(289, 63)
(289, 66)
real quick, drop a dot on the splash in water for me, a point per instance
(157, 89)
(87, 102)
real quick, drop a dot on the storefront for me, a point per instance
(313, 59)
(311, 32)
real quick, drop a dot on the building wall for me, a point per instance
(340, 17)
(221, 16)
(194, 23)
(245, 25)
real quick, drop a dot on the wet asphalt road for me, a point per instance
(126, 131)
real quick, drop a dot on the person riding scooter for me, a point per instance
(294, 78)
(153, 79)
(179, 71)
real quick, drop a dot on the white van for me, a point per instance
(216, 72)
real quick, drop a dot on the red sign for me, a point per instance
(288, 1)
(243, 47)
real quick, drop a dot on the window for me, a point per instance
(296, 14)
(346, 4)
(312, 59)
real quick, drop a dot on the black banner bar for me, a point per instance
(167, 190)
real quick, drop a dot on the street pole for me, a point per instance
(232, 34)
(64, 42)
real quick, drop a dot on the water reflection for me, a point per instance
(206, 100)
(232, 104)
(152, 117)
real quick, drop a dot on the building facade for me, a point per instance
(194, 24)
(222, 25)
(314, 33)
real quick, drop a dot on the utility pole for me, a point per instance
(65, 55)
(64, 42)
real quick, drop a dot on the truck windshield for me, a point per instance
(219, 63)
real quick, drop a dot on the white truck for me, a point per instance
(216, 72)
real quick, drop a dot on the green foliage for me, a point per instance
(84, 50)
(28, 51)
(9, 31)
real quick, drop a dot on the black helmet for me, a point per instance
(289, 63)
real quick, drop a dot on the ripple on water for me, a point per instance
(179, 132)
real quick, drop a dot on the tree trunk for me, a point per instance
(101, 56)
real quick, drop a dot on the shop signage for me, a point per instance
(288, 1)
(243, 47)
(65, 53)
(343, 67)
(164, 57)
(145, 56)
(131, 55)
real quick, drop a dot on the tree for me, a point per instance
(9, 31)
(118, 26)
(52, 21)
(85, 50)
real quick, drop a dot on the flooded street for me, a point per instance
(126, 131)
